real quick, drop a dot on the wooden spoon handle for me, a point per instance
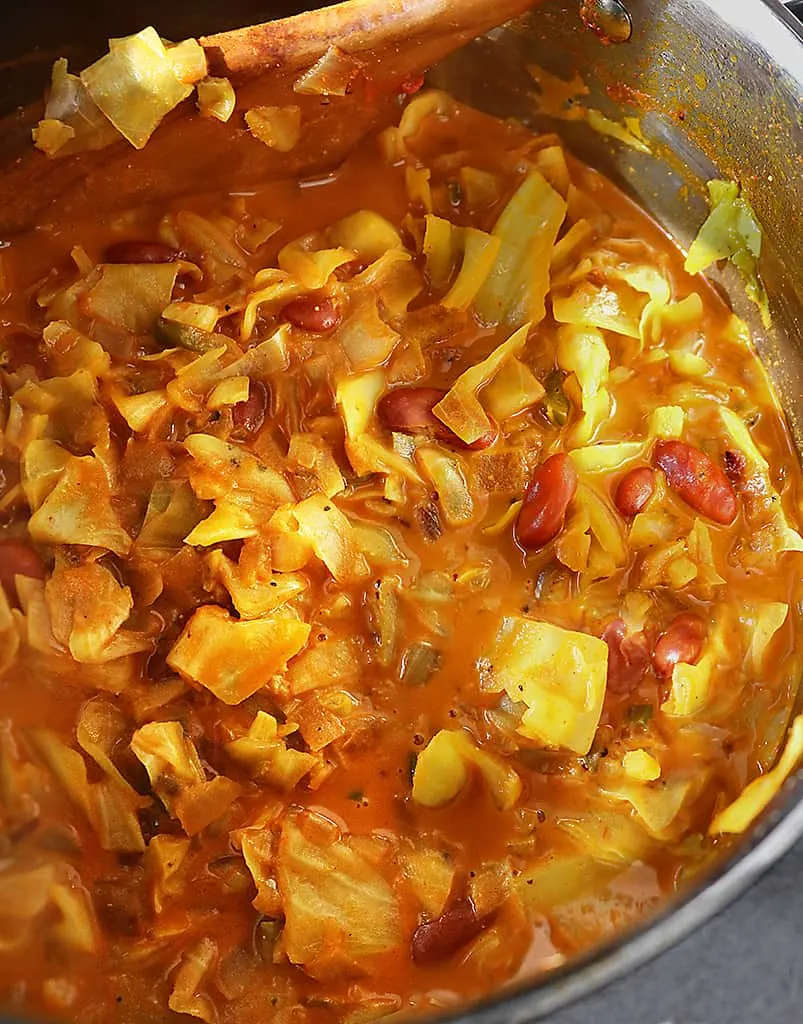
(419, 31)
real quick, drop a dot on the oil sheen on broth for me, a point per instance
(398, 584)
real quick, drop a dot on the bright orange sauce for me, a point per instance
(129, 974)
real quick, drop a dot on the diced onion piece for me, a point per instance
(558, 673)
(135, 85)
(516, 288)
(235, 658)
(278, 128)
(688, 364)
(739, 815)
(460, 409)
(641, 766)
(51, 135)
(667, 421)
(331, 75)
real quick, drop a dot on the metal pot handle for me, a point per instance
(794, 7)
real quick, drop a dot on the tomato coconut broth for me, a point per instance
(397, 587)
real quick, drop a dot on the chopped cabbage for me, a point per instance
(135, 85)
(667, 421)
(514, 389)
(739, 815)
(761, 622)
(278, 128)
(431, 876)
(366, 233)
(731, 231)
(332, 74)
(448, 475)
(657, 804)
(216, 98)
(132, 295)
(263, 751)
(515, 291)
(607, 456)
(367, 341)
(73, 121)
(331, 536)
(235, 658)
(195, 967)
(338, 904)
(583, 352)
(440, 771)
(336, 661)
(557, 673)
(641, 766)
(460, 409)
(440, 248)
(79, 510)
(480, 251)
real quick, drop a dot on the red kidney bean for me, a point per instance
(697, 480)
(409, 411)
(634, 490)
(435, 941)
(18, 559)
(549, 495)
(682, 641)
(346, 271)
(250, 414)
(411, 85)
(139, 251)
(316, 313)
(628, 657)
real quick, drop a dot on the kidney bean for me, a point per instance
(250, 414)
(140, 251)
(634, 490)
(435, 941)
(411, 85)
(682, 641)
(697, 480)
(628, 657)
(18, 559)
(549, 495)
(316, 313)
(409, 411)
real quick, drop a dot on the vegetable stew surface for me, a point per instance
(399, 589)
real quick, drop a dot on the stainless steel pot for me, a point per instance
(721, 87)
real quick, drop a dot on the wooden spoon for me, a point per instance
(393, 42)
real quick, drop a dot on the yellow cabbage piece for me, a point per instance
(263, 751)
(337, 902)
(657, 804)
(739, 815)
(558, 673)
(691, 684)
(618, 309)
(607, 456)
(514, 389)
(366, 233)
(87, 608)
(169, 757)
(583, 352)
(731, 231)
(440, 771)
(431, 876)
(761, 622)
(480, 251)
(448, 475)
(336, 661)
(641, 766)
(132, 295)
(216, 98)
(667, 421)
(366, 339)
(515, 290)
(235, 658)
(278, 127)
(135, 85)
(254, 591)
(440, 248)
(330, 533)
(245, 490)
(195, 967)
(356, 398)
(79, 510)
(460, 409)
(69, 106)
(173, 512)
